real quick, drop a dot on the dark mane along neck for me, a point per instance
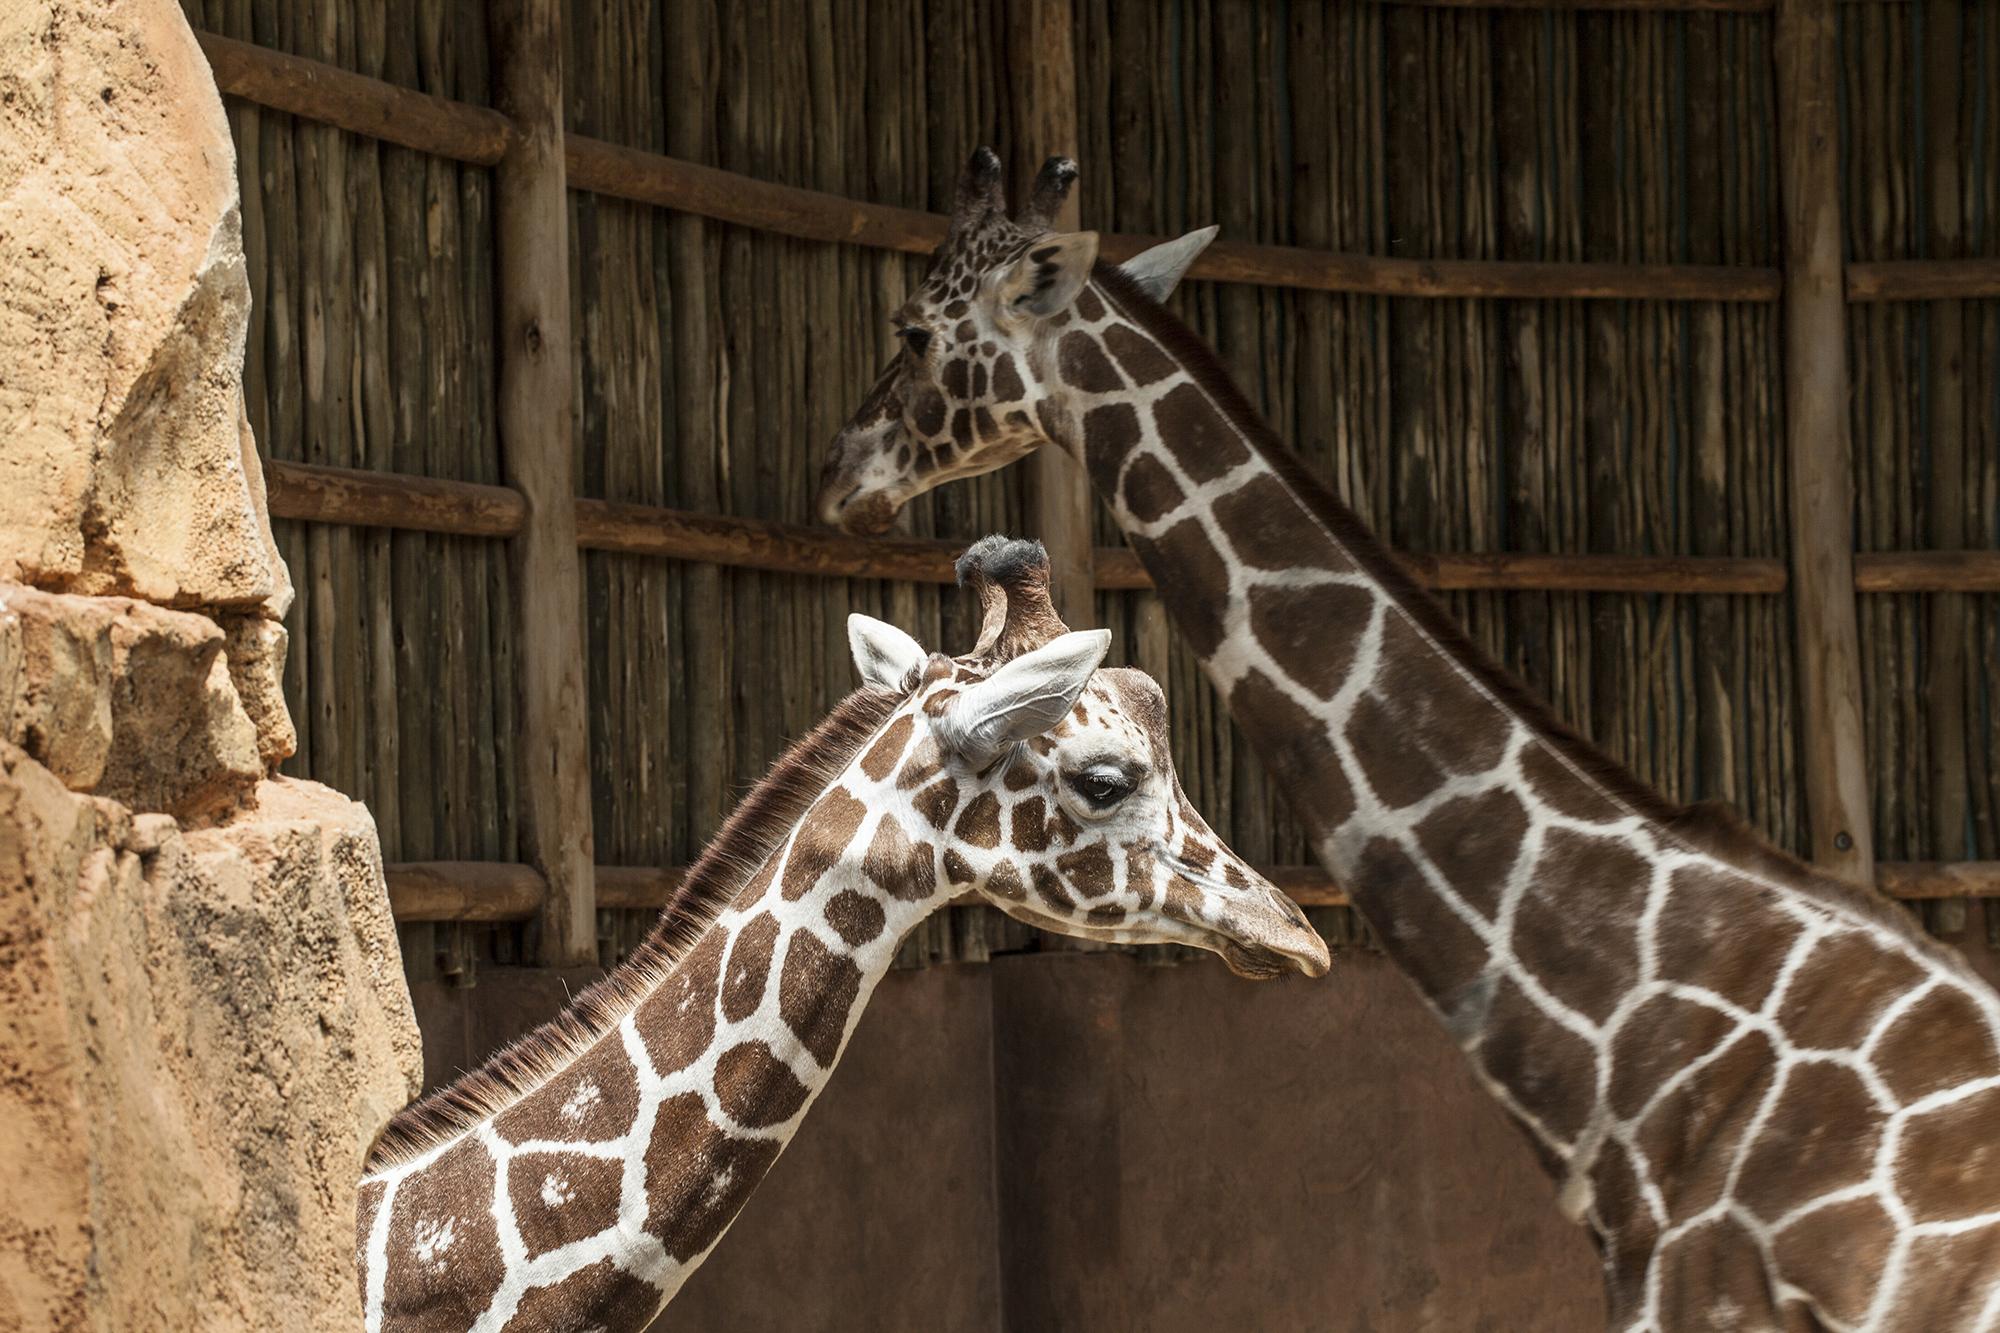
(1710, 827)
(751, 835)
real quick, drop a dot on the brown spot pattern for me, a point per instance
(677, 1020)
(600, 1296)
(856, 917)
(1195, 591)
(1294, 748)
(755, 1088)
(1824, 1009)
(900, 868)
(1109, 434)
(1150, 490)
(1139, 356)
(1311, 632)
(1050, 887)
(1656, 1042)
(1473, 841)
(936, 802)
(1031, 833)
(1836, 1253)
(1203, 443)
(1821, 1134)
(1424, 937)
(696, 1175)
(448, 1287)
(980, 824)
(604, 1113)
(1584, 958)
(1692, 1135)
(1083, 365)
(562, 1197)
(1269, 529)
(1550, 1070)
(1715, 930)
(1005, 882)
(815, 993)
(1948, 1163)
(881, 758)
(749, 965)
(828, 829)
(1937, 1043)
(1088, 870)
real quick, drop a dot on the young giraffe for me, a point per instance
(576, 1181)
(1773, 1099)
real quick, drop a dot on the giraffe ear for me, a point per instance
(1023, 698)
(1159, 270)
(1048, 276)
(883, 654)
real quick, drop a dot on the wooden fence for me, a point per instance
(1301, 282)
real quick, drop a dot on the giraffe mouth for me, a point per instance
(1254, 962)
(868, 515)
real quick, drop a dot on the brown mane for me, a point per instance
(1711, 827)
(752, 833)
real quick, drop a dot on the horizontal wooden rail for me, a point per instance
(381, 499)
(1924, 280)
(354, 102)
(477, 892)
(333, 96)
(361, 499)
(1927, 571)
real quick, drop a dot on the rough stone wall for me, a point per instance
(203, 1020)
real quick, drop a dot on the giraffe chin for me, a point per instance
(869, 516)
(1254, 962)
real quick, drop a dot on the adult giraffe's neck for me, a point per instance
(596, 1193)
(1468, 826)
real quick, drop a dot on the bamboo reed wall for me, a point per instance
(713, 361)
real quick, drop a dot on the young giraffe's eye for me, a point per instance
(916, 339)
(1101, 788)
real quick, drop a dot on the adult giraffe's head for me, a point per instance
(977, 380)
(1045, 783)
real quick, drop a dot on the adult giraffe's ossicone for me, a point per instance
(1773, 1099)
(580, 1177)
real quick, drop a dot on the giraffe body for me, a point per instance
(579, 1185)
(1775, 1102)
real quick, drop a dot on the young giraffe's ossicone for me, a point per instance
(1773, 1099)
(576, 1180)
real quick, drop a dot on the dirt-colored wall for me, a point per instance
(1080, 1141)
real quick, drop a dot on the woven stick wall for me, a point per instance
(712, 363)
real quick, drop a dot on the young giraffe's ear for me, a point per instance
(1047, 278)
(883, 654)
(1024, 698)
(1159, 270)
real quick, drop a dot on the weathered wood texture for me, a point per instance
(1818, 449)
(532, 310)
(1920, 106)
(710, 363)
(370, 346)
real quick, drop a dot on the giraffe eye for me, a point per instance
(918, 340)
(1101, 788)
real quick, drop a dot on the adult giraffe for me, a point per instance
(1773, 1099)
(577, 1179)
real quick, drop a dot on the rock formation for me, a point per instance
(203, 1020)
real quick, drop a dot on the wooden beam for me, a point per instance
(469, 891)
(361, 105)
(748, 543)
(1821, 473)
(316, 494)
(353, 102)
(1927, 571)
(1924, 280)
(531, 228)
(1042, 58)
(1627, 6)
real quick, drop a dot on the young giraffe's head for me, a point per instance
(976, 383)
(1048, 787)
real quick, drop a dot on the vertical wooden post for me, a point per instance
(1817, 442)
(531, 226)
(1043, 57)
(1945, 400)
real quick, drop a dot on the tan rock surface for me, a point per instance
(203, 1018)
(127, 464)
(202, 1034)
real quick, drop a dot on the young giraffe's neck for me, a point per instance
(1625, 976)
(586, 1202)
